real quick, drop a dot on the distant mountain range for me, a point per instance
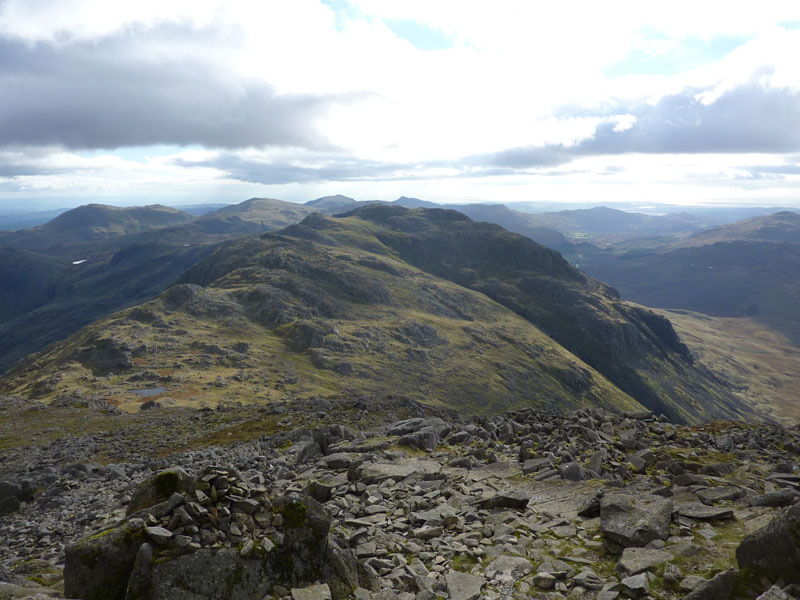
(96, 259)
(746, 269)
(384, 299)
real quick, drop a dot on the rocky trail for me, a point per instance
(321, 499)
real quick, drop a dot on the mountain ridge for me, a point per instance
(331, 290)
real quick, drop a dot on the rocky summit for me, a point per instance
(317, 499)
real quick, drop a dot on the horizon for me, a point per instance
(53, 209)
(216, 102)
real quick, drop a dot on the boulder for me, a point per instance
(628, 520)
(778, 498)
(9, 505)
(208, 574)
(98, 567)
(105, 355)
(301, 556)
(774, 550)
(159, 488)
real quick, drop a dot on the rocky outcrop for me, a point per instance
(220, 539)
(105, 355)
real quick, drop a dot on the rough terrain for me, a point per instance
(385, 500)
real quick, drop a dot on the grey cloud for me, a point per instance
(775, 169)
(104, 95)
(337, 168)
(748, 118)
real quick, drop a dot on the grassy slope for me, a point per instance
(762, 363)
(132, 255)
(387, 329)
(94, 223)
(637, 350)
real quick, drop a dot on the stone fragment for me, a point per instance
(463, 586)
(158, 535)
(636, 586)
(312, 592)
(774, 593)
(503, 500)
(720, 494)
(701, 512)
(636, 560)
(720, 587)
(508, 569)
(588, 579)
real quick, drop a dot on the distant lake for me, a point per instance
(147, 392)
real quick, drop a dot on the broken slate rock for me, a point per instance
(628, 520)
(701, 512)
(503, 500)
(463, 586)
(720, 494)
(721, 587)
(636, 586)
(637, 560)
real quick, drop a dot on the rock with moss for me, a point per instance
(98, 567)
(104, 355)
(301, 555)
(773, 551)
(159, 488)
(209, 573)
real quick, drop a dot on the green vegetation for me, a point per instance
(386, 301)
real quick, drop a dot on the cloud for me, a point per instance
(111, 94)
(745, 119)
(313, 167)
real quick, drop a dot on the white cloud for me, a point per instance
(312, 91)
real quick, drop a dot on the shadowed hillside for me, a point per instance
(421, 303)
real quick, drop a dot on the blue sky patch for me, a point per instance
(687, 54)
(420, 35)
(139, 153)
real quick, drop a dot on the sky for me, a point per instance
(190, 101)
